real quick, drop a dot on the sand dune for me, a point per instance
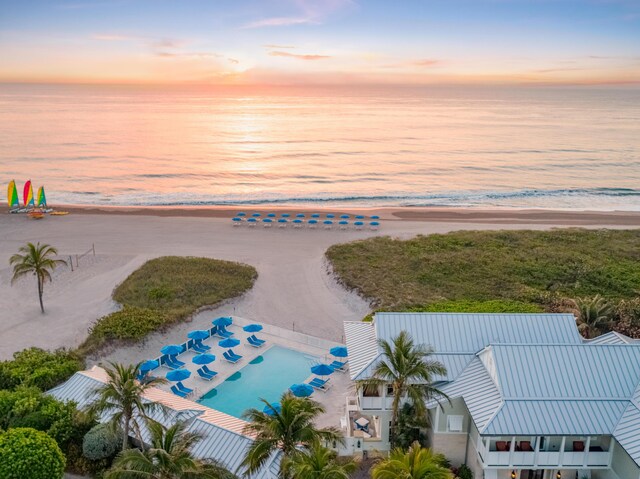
(293, 289)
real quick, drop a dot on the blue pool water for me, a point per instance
(267, 376)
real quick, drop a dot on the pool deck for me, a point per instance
(333, 400)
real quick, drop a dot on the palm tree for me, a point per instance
(122, 396)
(410, 371)
(317, 462)
(169, 457)
(36, 260)
(416, 463)
(592, 314)
(286, 430)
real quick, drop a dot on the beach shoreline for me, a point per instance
(388, 213)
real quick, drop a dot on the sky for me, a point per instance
(284, 42)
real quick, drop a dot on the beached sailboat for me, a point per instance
(12, 197)
(29, 200)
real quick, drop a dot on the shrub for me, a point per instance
(39, 368)
(27, 453)
(627, 318)
(100, 443)
(465, 472)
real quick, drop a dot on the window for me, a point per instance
(454, 423)
(370, 391)
(389, 390)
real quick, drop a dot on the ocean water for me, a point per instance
(567, 148)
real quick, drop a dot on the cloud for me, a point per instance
(276, 53)
(425, 62)
(280, 22)
(233, 60)
(279, 47)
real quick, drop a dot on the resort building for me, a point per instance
(529, 397)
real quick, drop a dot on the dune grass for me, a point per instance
(166, 290)
(483, 269)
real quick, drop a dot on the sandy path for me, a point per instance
(293, 289)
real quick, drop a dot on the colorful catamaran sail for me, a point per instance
(12, 195)
(29, 200)
(42, 199)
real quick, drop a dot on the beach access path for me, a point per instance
(293, 289)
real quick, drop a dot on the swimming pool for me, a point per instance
(267, 376)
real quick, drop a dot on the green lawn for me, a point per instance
(166, 290)
(489, 270)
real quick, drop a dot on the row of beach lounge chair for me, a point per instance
(314, 221)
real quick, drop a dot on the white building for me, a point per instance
(528, 395)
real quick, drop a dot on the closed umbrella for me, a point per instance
(339, 352)
(198, 334)
(178, 375)
(205, 358)
(301, 390)
(148, 365)
(223, 321)
(228, 343)
(253, 328)
(322, 369)
(171, 350)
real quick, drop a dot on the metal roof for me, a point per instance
(455, 364)
(626, 432)
(362, 345)
(470, 332)
(612, 337)
(223, 435)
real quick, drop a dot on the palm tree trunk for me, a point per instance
(395, 407)
(40, 294)
(125, 433)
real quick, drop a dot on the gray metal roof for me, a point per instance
(612, 337)
(470, 332)
(362, 345)
(222, 437)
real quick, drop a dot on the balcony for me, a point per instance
(525, 452)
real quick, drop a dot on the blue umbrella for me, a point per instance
(358, 223)
(322, 369)
(313, 222)
(282, 220)
(360, 217)
(178, 375)
(285, 215)
(315, 215)
(253, 328)
(256, 215)
(236, 219)
(205, 358)
(344, 217)
(171, 350)
(267, 220)
(228, 343)
(375, 217)
(148, 365)
(297, 221)
(300, 215)
(198, 334)
(339, 352)
(223, 321)
(272, 408)
(301, 390)
(374, 223)
(271, 215)
(242, 213)
(331, 215)
(328, 222)
(344, 222)
(251, 220)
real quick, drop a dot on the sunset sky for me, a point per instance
(321, 42)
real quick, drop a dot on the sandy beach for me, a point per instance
(294, 289)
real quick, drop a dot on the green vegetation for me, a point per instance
(35, 260)
(101, 443)
(27, 453)
(318, 463)
(483, 269)
(416, 463)
(410, 369)
(166, 290)
(39, 368)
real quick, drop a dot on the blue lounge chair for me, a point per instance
(198, 347)
(177, 392)
(172, 363)
(320, 384)
(338, 365)
(183, 388)
(233, 354)
(256, 340)
(208, 371)
(253, 343)
(204, 375)
(223, 333)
